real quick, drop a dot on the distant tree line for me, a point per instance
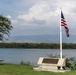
(38, 45)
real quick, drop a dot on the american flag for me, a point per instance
(63, 23)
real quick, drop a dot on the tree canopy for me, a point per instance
(5, 27)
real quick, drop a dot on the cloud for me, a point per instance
(39, 12)
(14, 21)
(39, 19)
(8, 16)
(47, 11)
(41, 16)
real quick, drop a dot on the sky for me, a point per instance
(39, 17)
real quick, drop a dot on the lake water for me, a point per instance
(31, 55)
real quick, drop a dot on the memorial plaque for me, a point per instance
(50, 61)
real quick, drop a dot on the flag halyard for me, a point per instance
(63, 23)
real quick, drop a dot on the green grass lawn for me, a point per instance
(27, 70)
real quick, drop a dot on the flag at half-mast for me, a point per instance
(63, 23)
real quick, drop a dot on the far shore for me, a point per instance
(37, 45)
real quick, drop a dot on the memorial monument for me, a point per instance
(55, 64)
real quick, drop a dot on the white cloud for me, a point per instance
(42, 15)
(14, 21)
(8, 16)
(40, 11)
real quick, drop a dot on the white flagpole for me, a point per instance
(60, 40)
(60, 34)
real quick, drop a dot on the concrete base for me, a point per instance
(49, 70)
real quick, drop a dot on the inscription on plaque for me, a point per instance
(50, 61)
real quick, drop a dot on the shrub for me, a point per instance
(27, 63)
(22, 63)
(70, 62)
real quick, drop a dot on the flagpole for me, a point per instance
(62, 23)
(60, 36)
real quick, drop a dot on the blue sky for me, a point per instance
(38, 17)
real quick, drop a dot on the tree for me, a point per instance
(5, 27)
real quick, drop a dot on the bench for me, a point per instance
(51, 63)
